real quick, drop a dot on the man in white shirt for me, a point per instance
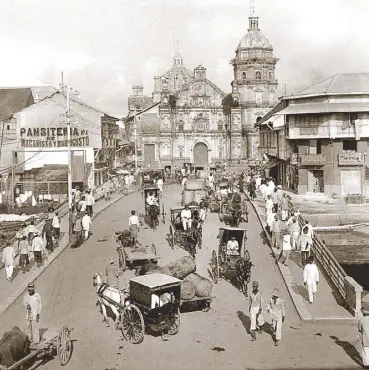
(32, 302)
(186, 218)
(311, 278)
(233, 247)
(184, 180)
(160, 185)
(38, 248)
(86, 225)
(211, 181)
(134, 227)
(90, 201)
(56, 225)
(29, 231)
(8, 260)
(202, 213)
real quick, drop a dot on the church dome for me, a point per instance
(254, 39)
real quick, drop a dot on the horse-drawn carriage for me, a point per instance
(234, 211)
(188, 239)
(153, 301)
(133, 258)
(152, 207)
(16, 350)
(229, 259)
(149, 177)
(222, 192)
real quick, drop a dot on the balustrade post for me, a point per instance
(353, 292)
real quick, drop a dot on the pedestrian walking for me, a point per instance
(32, 302)
(48, 233)
(277, 315)
(86, 225)
(269, 205)
(363, 328)
(255, 310)
(276, 229)
(76, 198)
(24, 253)
(284, 207)
(56, 222)
(295, 233)
(29, 232)
(81, 206)
(183, 182)
(310, 227)
(134, 227)
(160, 185)
(38, 249)
(77, 231)
(8, 260)
(90, 201)
(311, 278)
(263, 190)
(276, 200)
(304, 243)
(269, 222)
(286, 247)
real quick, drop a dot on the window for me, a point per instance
(258, 75)
(349, 145)
(201, 126)
(180, 126)
(270, 75)
(8, 127)
(244, 75)
(220, 126)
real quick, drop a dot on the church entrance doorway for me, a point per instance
(200, 155)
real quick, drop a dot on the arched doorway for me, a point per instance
(200, 155)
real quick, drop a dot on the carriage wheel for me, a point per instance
(175, 322)
(177, 238)
(163, 214)
(132, 324)
(171, 236)
(215, 267)
(64, 346)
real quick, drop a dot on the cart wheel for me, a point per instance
(171, 235)
(215, 267)
(175, 322)
(163, 213)
(64, 346)
(132, 324)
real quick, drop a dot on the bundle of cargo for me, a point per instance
(187, 197)
(203, 287)
(149, 267)
(198, 195)
(187, 290)
(180, 268)
(194, 185)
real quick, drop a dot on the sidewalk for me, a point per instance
(326, 305)
(9, 292)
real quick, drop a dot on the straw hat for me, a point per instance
(275, 292)
(111, 259)
(255, 283)
(31, 286)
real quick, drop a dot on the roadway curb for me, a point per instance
(300, 306)
(34, 275)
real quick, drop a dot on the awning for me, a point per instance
(277, 121)
(325, 108)
(268, 165)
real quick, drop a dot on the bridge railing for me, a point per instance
(349, 290)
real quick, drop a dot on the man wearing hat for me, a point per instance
(311, 278)
(364, 333)
(48, 233)
(38, 248)
(255, 310)
(233, 247)
(286, 247)
(8, 260)
(277, 315)
(112, 273)
(186, 218)
(276, 229)
(32, 301)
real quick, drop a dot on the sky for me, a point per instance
(105, 46)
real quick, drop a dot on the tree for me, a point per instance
(228, 103)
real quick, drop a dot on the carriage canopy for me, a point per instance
(226, 233)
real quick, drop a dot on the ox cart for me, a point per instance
(53, 344)
(153, 302)
(227, 260)
(133, 258)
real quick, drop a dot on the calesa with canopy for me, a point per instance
(232, 256)
(152, 207)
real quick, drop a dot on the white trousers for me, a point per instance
(284, 214)
(9, 271)
(186, 224)
(277, 328)
(256, 319)
(312, 289)
(365, 355)
(294, 237)
(86, 234)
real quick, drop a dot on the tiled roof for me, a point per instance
(13, 101)
(281, 105)
(342, 83)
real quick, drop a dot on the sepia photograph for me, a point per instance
(184, 184)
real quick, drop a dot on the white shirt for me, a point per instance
(82, 204)
(185, 214)
(184, 180)
(89, 199)
(269, 204)
(232, 247)
(183, 171)
(127, 180)
(311, 273)
(202, 214)
(211, 179)
(29, 229)
(134, 220)
(56, 222)
(224, 192)
(286, 244)
(38, 244)
(160, 183)
(35, 302)
(86, 222)
(8, 256)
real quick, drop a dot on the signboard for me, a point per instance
(53, 137)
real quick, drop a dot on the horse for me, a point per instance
(243, 270)
(153, 212)
(108, 297)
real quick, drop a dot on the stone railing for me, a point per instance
(349, 290)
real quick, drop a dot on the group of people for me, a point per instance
(32, 244)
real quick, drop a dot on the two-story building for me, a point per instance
(326, 130)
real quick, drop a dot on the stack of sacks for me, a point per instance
(202, 287)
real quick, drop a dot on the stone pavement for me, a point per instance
(327, 305)
(9, 292)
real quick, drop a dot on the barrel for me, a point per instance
(180, 268)
(203, 286)
(187, 290)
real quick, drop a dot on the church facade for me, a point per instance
(184, 120)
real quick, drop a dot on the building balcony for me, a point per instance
(312, 159)
(351, 158)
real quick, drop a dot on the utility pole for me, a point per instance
(135, 132)
(69, 162)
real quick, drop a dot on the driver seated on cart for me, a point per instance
(233, 247)
(152, 200)
(186, 218)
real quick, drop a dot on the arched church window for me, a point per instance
(220, 126)
(258, 75)
(201, 126)
(270, 75)
(180, 126)
(244, 75)
(200, 102)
